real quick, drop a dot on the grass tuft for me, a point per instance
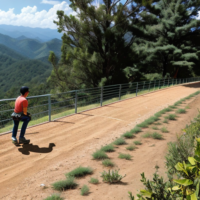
(99, 155)
(131, 147)
(147, 135)
(171, 117)
(187, 107)
(119, 141)
(180, 111)
(137, 142)
(157, 123)
(69, 183)
(54, 197)
(136, 130)
(108, 163)
(165, 121)
(94, 180)
(108, 148)
(80, 172)
(128, 135)
(85, 190)
(125, 156)
(164, 130)
(143, 125)
(155, 128)
(157, 136)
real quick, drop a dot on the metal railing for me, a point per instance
(48, 107)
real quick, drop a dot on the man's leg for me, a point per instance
(14, 132)
(25, 120)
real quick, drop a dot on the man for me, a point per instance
(20, 114)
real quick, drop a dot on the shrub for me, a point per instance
(157, 136)
(147, 135)
(136, 130)
(180, 111)
(128, 135)
(171, 117)
(85, 190)
(168, 109)
(125, 156)
(94, 180)
(157, 123)
(80, 172)
(137, 142)
(164, 130)
(143, 125)
(155, 128)
(131, 147)
(165, 121)
(69, 183)
(111, 176)
(119, 141)
(108, 148)
(99, 155)
(172, 107)
(54, 197)
(108, 163)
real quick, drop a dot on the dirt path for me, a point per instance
(23, 169)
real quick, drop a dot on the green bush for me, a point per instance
(147, 135)
(108, 163)
(99, 155)
(54, 197)
(180, 111)
(108, 148)
(171, 117)
(155, 128)
(85, 190)
(165, 121)
(143, 124)
(119, 141)
(136, 130)
(164, 130)
(157, 136)
(131, 147)
(94, 180)
(111, 176)
(137, 142)
(80, 172)
(69, 183)
(128, 135)
(125, 156)
(157, 123)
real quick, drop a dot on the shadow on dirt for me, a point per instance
(27, 148)
(192, 85)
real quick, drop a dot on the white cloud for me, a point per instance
(50, 2)
(31, 18)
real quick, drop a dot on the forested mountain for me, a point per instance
(31, 48)
(17, 70)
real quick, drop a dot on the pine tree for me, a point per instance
(165, 30)
(96, 44)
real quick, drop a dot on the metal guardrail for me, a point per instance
(50, 107)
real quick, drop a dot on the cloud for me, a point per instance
(50, 2)
(30, 17)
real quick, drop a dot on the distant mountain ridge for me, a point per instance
(31, 48)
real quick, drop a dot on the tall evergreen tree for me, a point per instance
(96, 44)
(166, 29)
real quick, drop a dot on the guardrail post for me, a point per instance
(101, 95)
(120, 89)
(76, 101)
(49, 107)
(136, 89)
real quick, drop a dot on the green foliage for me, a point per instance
(108, 163)
(94, 180)
(99, 155)
(171, 117)
(180, 111)
(85, 190)
(119, 141)
(80, 172)
(164, 130)
(155, 128)
(143, 124)
(54, 197)
(147, 135)
(108, 148)
(111, 176)
(69, 183)
(157, 136)
(157, 123)
(131, 147)
(128, 135)
(125, 156)
(137, 142)
(165, 121)
(136, 130)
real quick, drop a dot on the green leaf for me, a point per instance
(184, 182)
(177, 187)
(180, 167)
(197, 190)
(191, 160)
(193, 196)
(146, 193)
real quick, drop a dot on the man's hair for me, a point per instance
(24, 89)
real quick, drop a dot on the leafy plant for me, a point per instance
(99, 155)
(111, 176)
(157, 123)
(136, 130)
(137, 142)
(147, 135)
(94, 180)
(155, 128)
(119, 141)
(69, 183)
(157, 136)
(125, 156)
(128, 135)
(165, 121)
(54, 197)
(171, 117)
(143, 124)
(85, 190)
(180, 111)
(80, 172)
(131, 147)
(108, 163)
(164, 130)
(108, 148)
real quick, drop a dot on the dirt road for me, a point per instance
(60, 146)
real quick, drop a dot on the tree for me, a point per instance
(166, 29)
(96, 44)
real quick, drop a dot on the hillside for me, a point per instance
(31, 48)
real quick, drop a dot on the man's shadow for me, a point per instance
(27, 148)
